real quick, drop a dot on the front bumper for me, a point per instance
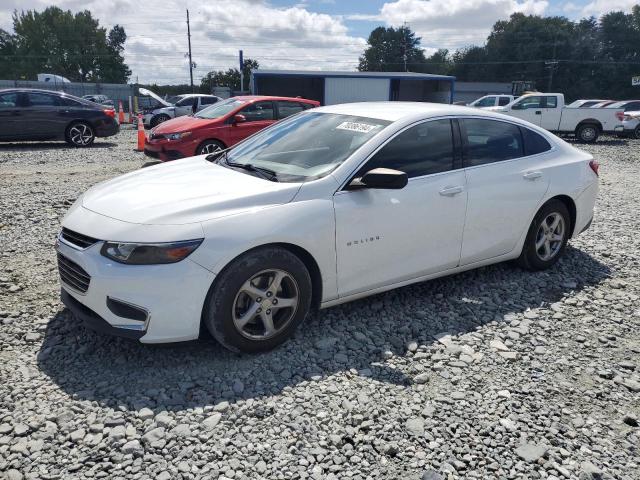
(166, 150)
(173, 295)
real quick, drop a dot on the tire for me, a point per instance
(533, 256)
(244, 297)
(79, 135)
(636, 133)
(158, 119)
(209, 146)
(588, 133)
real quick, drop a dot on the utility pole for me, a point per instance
(551, 65)
(404, 44)
(190, 61)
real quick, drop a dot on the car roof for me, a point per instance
(250, 98)
(394, 111)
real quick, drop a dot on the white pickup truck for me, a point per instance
(549, 111)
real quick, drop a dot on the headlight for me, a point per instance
(149, 253)
(178, 136)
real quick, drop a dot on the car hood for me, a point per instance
(182, 124)
(184, 191)
(149, 93)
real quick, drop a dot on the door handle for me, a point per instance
(451, 191)
(532, 175)
(538, 112)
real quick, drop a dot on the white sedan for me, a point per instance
(330, 205)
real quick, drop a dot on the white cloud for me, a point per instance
(597, 8)
(292, 37)
(455, 23)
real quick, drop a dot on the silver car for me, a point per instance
(185, 104)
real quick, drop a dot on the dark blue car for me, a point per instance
(30, 114)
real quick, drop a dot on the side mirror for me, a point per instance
(239, 118)
(384, 178)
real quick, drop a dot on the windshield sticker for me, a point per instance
(356, 127)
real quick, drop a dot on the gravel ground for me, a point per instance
(494, 373)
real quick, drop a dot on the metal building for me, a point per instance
(341, 87)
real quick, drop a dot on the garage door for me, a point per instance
(345, 90)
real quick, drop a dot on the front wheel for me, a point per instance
(258, 300)
(80, 134)
(209, 146)
(158, 119)
(547, 237)
(636, 133)
(587, 133)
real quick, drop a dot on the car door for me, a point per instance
(505, 185)
(551, 113)
(43, 115)
(389, 236)
(256, 115)
(12, 119)
(529, 109)
(185, 106)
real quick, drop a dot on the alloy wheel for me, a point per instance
(211, 148)
(588, 134)
(265, 304)
(550, 236)
(81, 134)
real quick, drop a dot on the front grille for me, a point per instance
(77, 239)
(73, 274)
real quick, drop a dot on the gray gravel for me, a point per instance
(495, 373)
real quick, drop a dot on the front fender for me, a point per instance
(308, 224)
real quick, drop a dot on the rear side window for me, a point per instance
(534, 143)
(286, 109)
(67, 102)
(491, 141)
(208, 100)
(421, 150)
(502, 101)
(551, 102)
(42, 100)
(8, 100)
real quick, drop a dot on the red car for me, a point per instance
(220, 126)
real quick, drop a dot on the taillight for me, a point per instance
(620, 115)
(110, 112)
(595, 166)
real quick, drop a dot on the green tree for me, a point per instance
(389, 48)
(72, 45)
(229, 78)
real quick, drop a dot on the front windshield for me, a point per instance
(308, 145)
(220, 109)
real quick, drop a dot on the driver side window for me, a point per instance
(530, 102)
(423, 149)
(258, 111)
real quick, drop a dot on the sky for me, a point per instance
(284, 34)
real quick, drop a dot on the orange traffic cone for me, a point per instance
(141, 135)
(120, 113)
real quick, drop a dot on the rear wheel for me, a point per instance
(636, 133)
(547, 237)
(209, 146)
(587, 133)
(259, 300)
(158, 119)
(80, 134)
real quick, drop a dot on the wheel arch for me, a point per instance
(571, 206)
(303, 254)
(590, 121)
(209, 140)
